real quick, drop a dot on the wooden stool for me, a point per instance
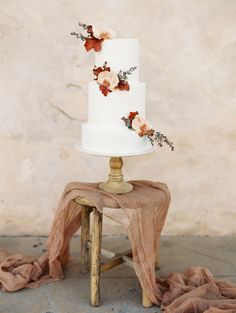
(96, 250)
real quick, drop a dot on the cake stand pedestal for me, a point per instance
(115, 182)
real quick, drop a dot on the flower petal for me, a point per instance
(104, 90)
(132, 115)
(97, 71)
(123, 86)
(93, 43)
(142, 126)
(109, 79)
(103, 33)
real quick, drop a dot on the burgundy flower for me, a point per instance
(123, 85)
(104, 90)
(132, 115)
(98, 70)
(93, 43)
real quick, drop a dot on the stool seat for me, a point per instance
(111, 203)
(96, 250)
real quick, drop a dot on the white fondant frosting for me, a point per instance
(105, 133)
(109, 110)
(120, 54)
(113, 142)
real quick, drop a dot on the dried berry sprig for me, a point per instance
(160, 139)
(128, 122)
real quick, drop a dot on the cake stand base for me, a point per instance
(115, 183)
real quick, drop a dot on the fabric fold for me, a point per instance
(144, 212)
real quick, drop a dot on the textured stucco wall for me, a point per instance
(188, 60)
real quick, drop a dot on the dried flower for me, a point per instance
(94, 37)
(142, 126)
(122, 85)
(132, 115)
(108, 79)
(93, 43)
(103, 33)
(98, 70)
(112, 81)
(136, 123)
(104, 90)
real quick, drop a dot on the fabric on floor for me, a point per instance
(143, 213)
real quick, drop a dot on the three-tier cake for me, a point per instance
(104, 133)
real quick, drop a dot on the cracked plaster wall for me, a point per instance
(188, 60)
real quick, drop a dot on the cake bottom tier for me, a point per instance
(113, 142)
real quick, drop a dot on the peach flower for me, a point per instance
(108, 79)
(103, 33)
(142, 126)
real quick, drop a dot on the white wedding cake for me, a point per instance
(105, 132)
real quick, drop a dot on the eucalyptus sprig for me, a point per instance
(78, 36)
(123, 75)
(81, 36)
(84, 26)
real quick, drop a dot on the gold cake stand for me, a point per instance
(115, 183)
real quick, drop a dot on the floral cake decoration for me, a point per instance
(109, 81)
(94, 36)
(143, 128)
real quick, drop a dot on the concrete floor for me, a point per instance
(120, 291)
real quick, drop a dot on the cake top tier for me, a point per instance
(120, 54)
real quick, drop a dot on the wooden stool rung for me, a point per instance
(128, 261)
(115, 261)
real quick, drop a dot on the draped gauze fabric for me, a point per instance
(142, 213)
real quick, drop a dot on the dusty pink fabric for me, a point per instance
(144, 212)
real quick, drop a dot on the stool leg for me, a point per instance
(95, 260)
(147, 303)
(84, 239)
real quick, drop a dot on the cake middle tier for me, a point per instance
(108, 111)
